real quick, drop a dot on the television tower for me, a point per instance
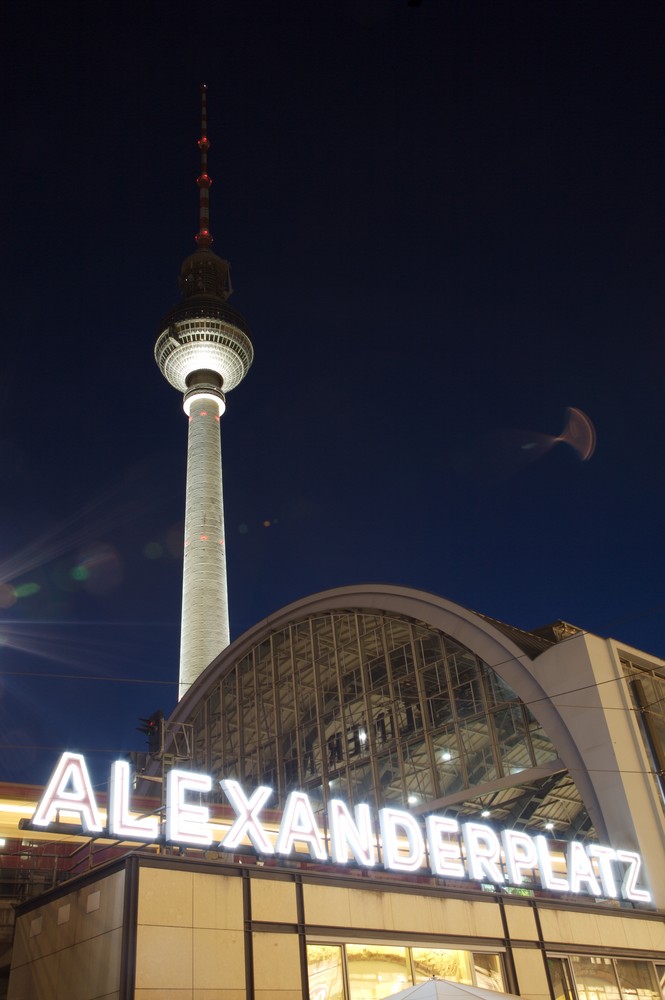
(203, 350)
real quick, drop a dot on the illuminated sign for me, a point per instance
(449, 849)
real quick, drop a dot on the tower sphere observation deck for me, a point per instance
(203, 349)
(202, 335)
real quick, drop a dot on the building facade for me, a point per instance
(175, 927)
(389, 695)
(409, 704)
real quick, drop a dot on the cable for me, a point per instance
(28, 746)
(85, 677)
(555, 699)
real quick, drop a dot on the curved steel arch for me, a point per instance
(470, 629)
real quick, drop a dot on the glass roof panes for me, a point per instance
(379, 708)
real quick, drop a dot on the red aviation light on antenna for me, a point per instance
(204, 183)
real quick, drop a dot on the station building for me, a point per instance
(411, 705)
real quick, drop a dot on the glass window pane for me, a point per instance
(325, 972)
(594, 978)
(445, 746)
(418, 772)
(378, 673)
(489, 971)
(444, 963)
(361, 780)
(465, 677)
(384, 726)
(376, 971)
(497, 689)
(429, 649)
(401, 662)
(478, 752)
(514, 750)
(560, 978)
(637, 979)
(543, 748)
(660, 972)
(356, 738)
(440, 711)
(390, 779)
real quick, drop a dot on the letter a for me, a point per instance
(69, 789)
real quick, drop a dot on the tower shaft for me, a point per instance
(205, 610)
(203, 349)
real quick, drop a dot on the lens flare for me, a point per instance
(120, 504)
(153, 550)
(93, 648)
(103, 568)
(507, 449)
(579, 433)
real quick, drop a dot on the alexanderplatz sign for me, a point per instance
(449, 849)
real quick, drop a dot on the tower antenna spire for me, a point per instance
(204, 236)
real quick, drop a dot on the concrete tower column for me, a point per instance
(203, 349)
(205, 606)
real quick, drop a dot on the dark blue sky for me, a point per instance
(446, 225)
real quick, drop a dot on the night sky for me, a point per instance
(446, 226)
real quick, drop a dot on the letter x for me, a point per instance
(247, 823)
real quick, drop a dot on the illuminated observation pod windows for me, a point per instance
(381, 709)
(193, 344)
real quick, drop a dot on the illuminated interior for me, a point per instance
(380, 708)
(373, 971)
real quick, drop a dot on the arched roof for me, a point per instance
(493, 642)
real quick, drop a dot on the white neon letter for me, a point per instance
(445, 857)
(390, 820)
(629, 888)
(520, 852)
(580, 869)
(298, 823)
(121, 823)
(247, 810)
(346, 834)
(548, 879)
(187, 823)
(483, 852)
(605, 856)
(69, 789)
